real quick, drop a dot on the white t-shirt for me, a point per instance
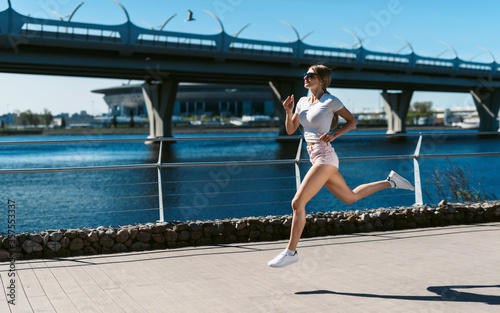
(317, 117)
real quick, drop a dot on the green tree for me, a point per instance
(417, 110)
(422, 107)
(47, 117)
(31, 118)
(21, 118)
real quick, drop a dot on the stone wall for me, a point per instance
(103, 240)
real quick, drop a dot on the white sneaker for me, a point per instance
(283, 259)
(399, 182)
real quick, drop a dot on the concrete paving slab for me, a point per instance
(447, 269)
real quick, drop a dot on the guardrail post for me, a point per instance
(160, 189)
(418, 184)
(297, 159)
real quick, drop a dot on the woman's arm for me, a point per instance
(292, 120)
(291, 123)
(351, 122)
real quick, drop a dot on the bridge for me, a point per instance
(164, 58)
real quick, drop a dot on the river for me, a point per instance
(121, 197)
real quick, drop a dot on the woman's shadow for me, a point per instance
(443, 293)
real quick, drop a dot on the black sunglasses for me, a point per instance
(309, 75)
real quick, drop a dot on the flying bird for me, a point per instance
(190, 16)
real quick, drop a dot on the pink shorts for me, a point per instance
(323, 153)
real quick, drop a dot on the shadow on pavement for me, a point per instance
(443, 293)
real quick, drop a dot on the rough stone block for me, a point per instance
(181, 227)
(158, 237)
(242, 232)
(55, 236)
(62, 253)
(93, 236)
(170, 235)
(140, 246)
(4, 255)
(89, 251)
(54, 245)
(122, 235)
(111, 233)
(119, 247)
(71, 233)
(184, 235)
(29, 246)
(144, 236)
(156, 229)
(106, 241)
(229, 229)
(36, 238)
(76, 244)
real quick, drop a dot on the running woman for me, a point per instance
(318, 114)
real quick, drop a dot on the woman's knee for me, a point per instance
(350, 199)
(298, 205)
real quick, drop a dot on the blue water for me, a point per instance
(95, 198)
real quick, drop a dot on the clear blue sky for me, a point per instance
(463, 24)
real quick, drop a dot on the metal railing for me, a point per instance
(296, 161)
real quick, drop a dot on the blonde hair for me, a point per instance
(324, 75)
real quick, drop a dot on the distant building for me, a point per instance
(8, 118)
(195, 99)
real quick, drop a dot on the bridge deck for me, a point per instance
(450, 269)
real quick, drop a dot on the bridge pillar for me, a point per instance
(281, 89)
(396, 107)
(488, 105)
(160, 101)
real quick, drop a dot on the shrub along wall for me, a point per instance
(103, 240)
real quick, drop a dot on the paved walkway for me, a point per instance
(450, 269)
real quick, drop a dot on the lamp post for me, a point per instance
(74, 11)
(295, 31)
(292, 28)
(450, 48)
(124, 10)
(241, 29)
(489, 52)
(160, 27)
(407, 44)
(217, 19)
(69, 16)
(359, 40)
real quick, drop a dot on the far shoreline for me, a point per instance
(187, 130)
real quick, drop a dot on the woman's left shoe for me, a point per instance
(398, 182)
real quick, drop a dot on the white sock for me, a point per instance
(290, 252)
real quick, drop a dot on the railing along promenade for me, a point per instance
(296, 161)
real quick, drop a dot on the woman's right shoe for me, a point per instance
(399, 181)
(283, 259)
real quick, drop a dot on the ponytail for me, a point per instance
(335, 121)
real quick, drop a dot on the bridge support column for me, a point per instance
(488, 105)
(281, 89)
(396, 107)
(160, 101)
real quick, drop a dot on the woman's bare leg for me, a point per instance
(313, 181)
(336, 184)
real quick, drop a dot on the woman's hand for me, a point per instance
(288, 104)
(328, 137)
